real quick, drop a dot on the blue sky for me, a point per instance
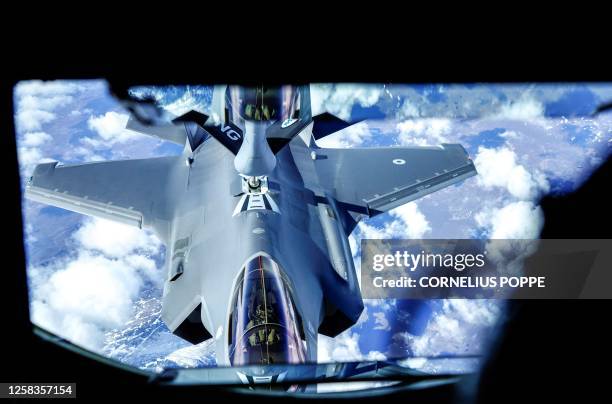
(98, 284)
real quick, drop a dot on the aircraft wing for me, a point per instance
(127, 191)
(374, 180)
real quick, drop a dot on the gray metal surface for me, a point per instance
(384, 178)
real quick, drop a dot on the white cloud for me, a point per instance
(82, 153)
(90, 294)
(184, 104)
(40, 102)
(510, 135)
(354, 246)
(46, 88)
(36, 102)
(111, 128)
(82, 297)
(354, 135)
(29, 152)
(376, 356)
(342, 348)
(516, 220)
(33, 119)
(191, 356)
(499, 168)
(94, 288)
(381, 304)
(338, 99)
(416, 222)
(337, 387)
(523, 109)
(409, 222)
(519, 221)
(459, 327)
(115, 239)
(381, 322)
(424, 131)
(29, 157)
(457, 365)
(363, 317)
(413, 363)
(370, 232)
(408, 110)
(33, 139)
(345, 347)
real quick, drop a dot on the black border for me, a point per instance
(549, 349)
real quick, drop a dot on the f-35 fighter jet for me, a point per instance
(255, 217)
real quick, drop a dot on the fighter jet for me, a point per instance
(255, 216)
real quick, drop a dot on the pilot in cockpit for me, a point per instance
(261, 104)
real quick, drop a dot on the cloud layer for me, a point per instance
(106, 267)
(93, 290)
(460, 326)
(406, 222)
(111, 129)
(516, 220)
(339, 99)
(424, 131)
(37, 102)
(499, 168)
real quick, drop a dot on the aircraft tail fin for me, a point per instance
(169, 132)
(231, 136)
(187, 127)
(326, 124)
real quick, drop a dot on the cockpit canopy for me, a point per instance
(261, 103)
(264, 324)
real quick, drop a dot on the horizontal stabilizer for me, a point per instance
(187, 127)
(380, 179)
